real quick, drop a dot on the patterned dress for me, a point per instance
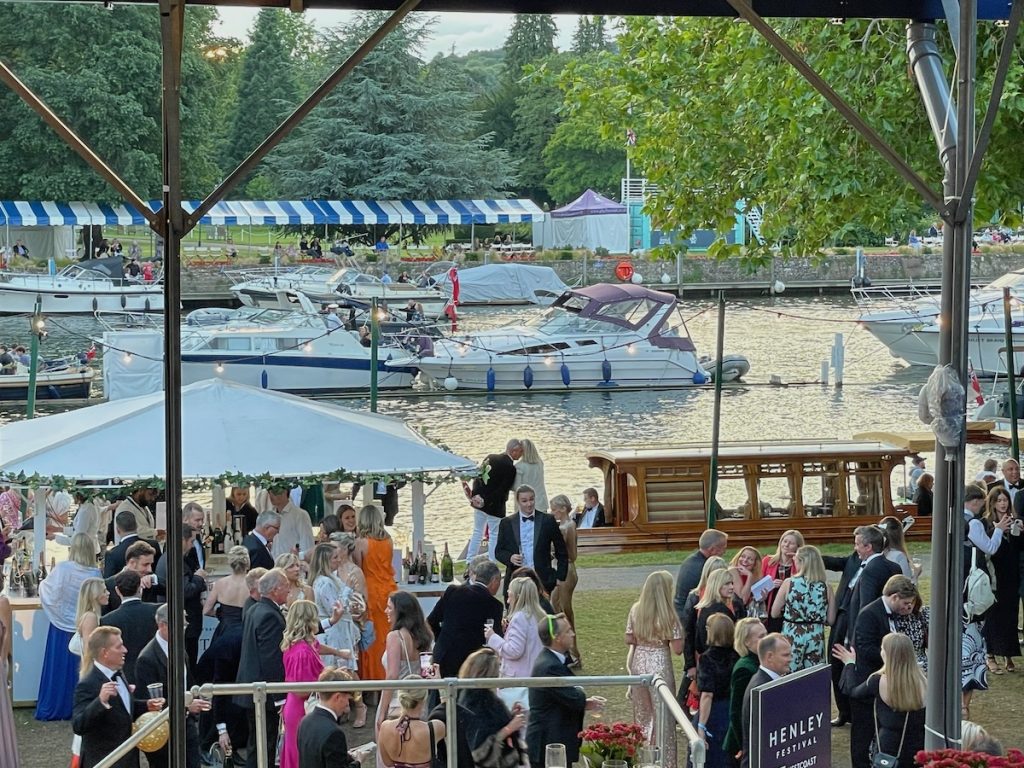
(652, 658)
(327, 590)
(915, 626)
(804, 617)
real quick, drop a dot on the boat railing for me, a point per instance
(45, 281)
(666, 711)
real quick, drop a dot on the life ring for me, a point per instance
(624, 271)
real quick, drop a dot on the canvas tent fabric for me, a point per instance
(35, 213)
(507, 283)
(226, 427)
(591, 221)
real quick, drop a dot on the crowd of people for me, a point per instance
(301, 605)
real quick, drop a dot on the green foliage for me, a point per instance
(395, 128)
(590, 35)
(720, 117)
(483, 70)
(536, 117)
(532, 37)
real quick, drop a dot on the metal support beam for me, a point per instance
(75, 142)
(172, 30)
(998, 84)
(300, 113)
(869, 134)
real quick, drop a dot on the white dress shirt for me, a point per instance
(526, 529)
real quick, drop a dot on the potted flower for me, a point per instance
(610, 741)
(956, 758)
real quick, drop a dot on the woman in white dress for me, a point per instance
(328, 590)
(530, 471)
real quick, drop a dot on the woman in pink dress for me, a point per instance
(302, 664)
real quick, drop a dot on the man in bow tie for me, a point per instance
(321, 740)
(532, 539)
(104, 709)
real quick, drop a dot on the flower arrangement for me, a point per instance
(611, 741)
(955, 758)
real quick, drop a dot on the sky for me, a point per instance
(464, 31)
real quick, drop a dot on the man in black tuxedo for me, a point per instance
(488, 498)
(133, 617)
(320, 739)
(592, 515)
(195, 555)
(114, 561)
(258, 542)
(261, 659)
(774, 653)
(849, 566)
(532, 538)
(712, 543)
(874, 622)
(104, 709)
(556, 714)
(138, 558)
(150, 668)
(194, 584)
(457, 619)
(875, 570)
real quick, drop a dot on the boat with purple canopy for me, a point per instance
(602, 336)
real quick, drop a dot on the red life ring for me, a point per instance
(624, 271)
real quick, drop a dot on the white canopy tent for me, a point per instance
(590, 221)
(226, 427)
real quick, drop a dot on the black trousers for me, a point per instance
(159, 759)
(836, 638)
(862, 731)
(273, 715)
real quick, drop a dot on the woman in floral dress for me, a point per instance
(652, 631)
(806, 604)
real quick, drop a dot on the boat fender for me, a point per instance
(528, 376)
(565, 374)
(624, 271)
(699, 377)
(54, 392)
(451, 383)
(490, 379)
(124, 301)
(264, 379)
(95, 305)
(606, 371)
(148, 308)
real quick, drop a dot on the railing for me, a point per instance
(667, 710)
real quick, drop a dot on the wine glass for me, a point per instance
(648, 757)
(554, 756)
(614, 764)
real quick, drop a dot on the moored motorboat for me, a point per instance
(56, 380)
(85, 287)
(602, 336)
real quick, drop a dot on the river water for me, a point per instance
(787, 336)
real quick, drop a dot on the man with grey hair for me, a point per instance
(261, 659)
(458, 617)
(774, 653)
(192, 514)
(258, 542)
(489, 496)
(712, 543)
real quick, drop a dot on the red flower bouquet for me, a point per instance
(611, 741)
(955, 758)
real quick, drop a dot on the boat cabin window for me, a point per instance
(539, 349)
(262, 344)
(631, 313)
(775, 491)
(732, 499)
(632, 496)
(865, 488)
(231, 343)
(820, 488)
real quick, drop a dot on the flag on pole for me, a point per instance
(630, 137)
(975, 384)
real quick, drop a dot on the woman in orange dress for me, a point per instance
(375, 549)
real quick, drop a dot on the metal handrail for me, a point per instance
(668, 708)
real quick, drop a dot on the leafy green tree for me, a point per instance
(532, 37)
(100, 71)
(720, 117)
(535, 118)
(395, 128)
(578, 157)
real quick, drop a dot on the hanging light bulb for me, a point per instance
(219, 368)
(549, 360)
(307, 347)
(127, 357)
(631, 348)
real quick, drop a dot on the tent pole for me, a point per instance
(39, 531)
(419, 500)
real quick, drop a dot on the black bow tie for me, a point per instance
(118, 675)
(527, 519)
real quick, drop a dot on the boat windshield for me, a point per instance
(1013, 279)
(566, 320)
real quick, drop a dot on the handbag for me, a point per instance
(881, 759)
(367, 635)
(75, 643)
(978, 595)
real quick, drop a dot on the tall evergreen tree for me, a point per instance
(395, 128)
(268, 85)
(590, 35)
(532, 37)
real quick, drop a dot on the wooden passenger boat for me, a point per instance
(656, 498)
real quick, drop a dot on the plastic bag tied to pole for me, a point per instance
(942, 404)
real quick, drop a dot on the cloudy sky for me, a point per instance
(463, 31)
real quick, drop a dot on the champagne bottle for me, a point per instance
(414, 568)
(435, 570)
(217, 547)
(447, 566)
(424, 568)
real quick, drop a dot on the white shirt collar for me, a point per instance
(770, 673)
(261, 537)
(561, 656)
(105, 670)
(163, 645)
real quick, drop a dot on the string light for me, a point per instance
(219, 368)
(127, 357)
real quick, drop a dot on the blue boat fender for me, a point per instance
(606, 371)
(699, 377)
(565, 374)
(264, 379)
(528, 376)
(491, 378)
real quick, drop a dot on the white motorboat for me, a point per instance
(600, 336)
(277, 289)
(60, 379)
(294, 352)
(895, 315)
(83, 288)
(986, 340)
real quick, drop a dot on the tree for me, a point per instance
(590, 35)
(578, 157)
(268, 88)
(719, 117)
(395, 128)
(76, 58)
(535, 118)
(532, 37)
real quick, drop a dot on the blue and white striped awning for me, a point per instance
(35, 213)
(465, 211)
(255, 212)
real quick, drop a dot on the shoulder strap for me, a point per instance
(405, 649)
(433, 747)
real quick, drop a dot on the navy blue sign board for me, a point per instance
(789, 721)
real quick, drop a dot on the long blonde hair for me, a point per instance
(523, 596)
(89, 598)
(303, 623)
(654, 618)
(370, 523)
(810, 566)
(905, 679)
(755, 572)
(713, 589)
(530, 454)
(777, 556)
(711, 565)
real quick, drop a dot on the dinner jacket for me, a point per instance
(868, 588)
(556, 714)
(548, 543)
(760, 678)
(321, 742)
(102, 729)
(872, 626)
(261, 658)
(259, 555)
(114, 560)
(137, 622)
(848, 566)
(500, 479)
(457, 621)
(151, 667)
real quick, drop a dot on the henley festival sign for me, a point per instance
(790, 721)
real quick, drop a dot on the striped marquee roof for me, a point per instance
(281, 212)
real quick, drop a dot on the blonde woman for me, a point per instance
(719, 597)
(92, 596)
(746, 565)
(494, 732)
(290, 563)
(714, 673)
(530, 471)
(561, 595)
(653, 633)
(689, 616)
(301, 653)
(407, 740)
(898, 691)
(746, 636)
(806, 604)
(373, 554)
(780, 566)
(521, 645)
